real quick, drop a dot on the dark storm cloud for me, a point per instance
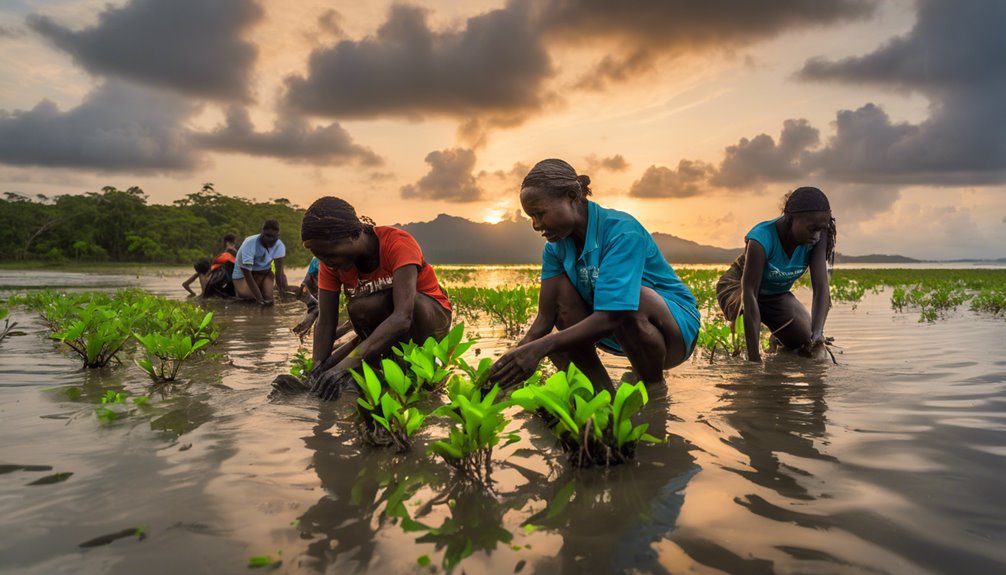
(495, 64)
(759, 159)
(954, 56)
(191, 46)
(498, 62)
(663, 182)
(116, 127)
(450, 178)
(643, 30)
(292, 139)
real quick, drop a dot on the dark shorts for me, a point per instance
(774, 309)
(442, 320)
(219, 282)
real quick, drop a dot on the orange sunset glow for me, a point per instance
(694, 118)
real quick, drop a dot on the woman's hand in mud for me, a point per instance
(285, 385)
(815, 342)
(516, 365)
(328, 385)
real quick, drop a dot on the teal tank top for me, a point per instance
(781, 271)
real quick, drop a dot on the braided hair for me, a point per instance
(558, 178)
(809, 199)
(332, 219)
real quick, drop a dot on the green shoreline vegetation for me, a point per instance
(119, 226)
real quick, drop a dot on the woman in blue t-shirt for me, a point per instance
(777, 253)
(604, 283)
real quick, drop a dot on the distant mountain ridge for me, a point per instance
(454, 240)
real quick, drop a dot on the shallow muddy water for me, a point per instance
(890, 462)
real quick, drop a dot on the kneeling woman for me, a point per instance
(777, 253)
(604, 282)
(392, 293)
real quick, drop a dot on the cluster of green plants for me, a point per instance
(97, 327)
(510, 308)
(389, 409)
(934, 301)
(302, 363)
(477, 422)
(389, 402)
(393, 400)
(594, 427)
(8, 326)
(702, 282)
(990, 300)
(715, 333)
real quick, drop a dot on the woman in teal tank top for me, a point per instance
(776, 254)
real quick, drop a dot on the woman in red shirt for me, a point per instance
(392, 292)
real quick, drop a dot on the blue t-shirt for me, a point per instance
(781, 271)
(619, 258)
(255, 256)
(312, 268)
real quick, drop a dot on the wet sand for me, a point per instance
(890, 462)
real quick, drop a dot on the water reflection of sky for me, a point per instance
(888, 462)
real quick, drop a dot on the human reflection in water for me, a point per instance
(780, 410)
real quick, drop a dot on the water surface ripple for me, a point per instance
(890, 462)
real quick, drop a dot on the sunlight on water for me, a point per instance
(890, 462)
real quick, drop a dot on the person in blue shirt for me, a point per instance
(308, 293)
(604, 283)
(253, 275)
(777, 253)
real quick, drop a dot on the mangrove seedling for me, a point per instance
(477, 425)
(302, 364)
(7, 325)
(389, 415)
(594, 428)
(432, 362)
(96, 335)
(169, 351)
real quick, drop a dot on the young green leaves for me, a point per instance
(593, 427)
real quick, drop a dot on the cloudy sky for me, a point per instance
(696, 117)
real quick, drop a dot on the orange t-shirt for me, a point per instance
(397, 249)
(222, 259)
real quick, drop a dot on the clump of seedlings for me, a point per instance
(388, 410)
(593, 427)
(98, 327)
(477, 422)
(176, 334)
(992, 301)
(510, 307)
(302, 364)
(432, 362)
(716, 334)
(7, 325)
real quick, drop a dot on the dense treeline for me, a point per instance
(120, 226)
